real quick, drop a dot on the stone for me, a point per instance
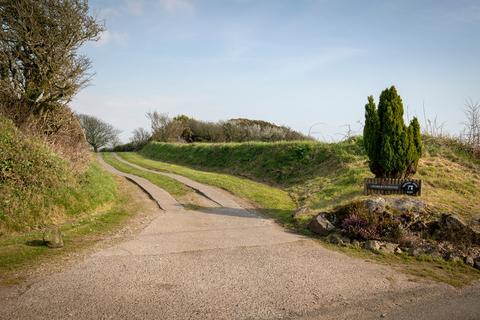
(338, 239)
(53, 238)
(321, 226)
(418, 226)
(453, 257)
(451, 228)
(356, 244)
(409, 205)
(469, 261)
(389, 247)
(377, 205)
(372, 245)
(300, 212)
(398, 250)
(476, 262)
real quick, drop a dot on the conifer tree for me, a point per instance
(393, 148)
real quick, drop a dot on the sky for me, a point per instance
(306, 64)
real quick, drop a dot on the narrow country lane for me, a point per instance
(230, 263)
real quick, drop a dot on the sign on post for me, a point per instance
(385, 186)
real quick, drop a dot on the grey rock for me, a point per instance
(53, 238)
(451, 228)
(372, 245)
(407, 205)
(469, 261)
(476, 262)
(300, 212)
(377, 205)
(389, 248)
(398, 250)
(356, 244)
(453, 257)
(321, 226)
(338, 239)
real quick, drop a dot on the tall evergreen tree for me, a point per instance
(393, 148)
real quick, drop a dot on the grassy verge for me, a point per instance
(18, 253)
(456, 274)
(175, 188)
(272, 201)
(321, 176)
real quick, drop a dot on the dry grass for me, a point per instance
(450, 186)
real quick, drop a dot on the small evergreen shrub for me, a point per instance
(392, 148)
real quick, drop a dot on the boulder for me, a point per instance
(476, 262)
(338, 239)
(469, 261)
(53, 238)
(424, 249)
(372, 245)
(321, 226)
(455, 258)
(451, 228)
(389, 247)
(300, 212)
(377, 205)
(356, 244)
(407, 205)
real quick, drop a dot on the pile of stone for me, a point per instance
(424, 231)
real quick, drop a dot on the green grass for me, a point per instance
(175, 188)
(38, 188)
(272, 201)
(276, 163)
(321, 176)
(20, 252)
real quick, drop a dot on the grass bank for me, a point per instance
(19, 253)
(320, 176)
(39, 189)
(272, 201)
(175, 188)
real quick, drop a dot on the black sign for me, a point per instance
(386, 186)
(411, 188)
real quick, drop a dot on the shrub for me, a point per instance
(393, 148)
(38, 188)
(357, 222)
(358, 227)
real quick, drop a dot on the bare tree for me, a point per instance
(140, 137)
(165, 128)
(472, 125)
(433, 127)
(98, 133)
(40, 67)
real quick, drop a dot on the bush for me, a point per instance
(358, 222)
(393, 148)
(38, 188)
(186, 129)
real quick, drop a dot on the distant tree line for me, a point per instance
(185, 129)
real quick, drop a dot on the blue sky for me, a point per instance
(296, 62)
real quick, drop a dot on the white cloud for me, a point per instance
(135, 7)
(110, 37)
(107, 13)
(184, 6)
